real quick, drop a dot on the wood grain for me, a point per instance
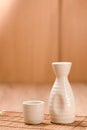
(74, 37)
(15, 120)
(29, 41)
(33, 34)
(13, 95)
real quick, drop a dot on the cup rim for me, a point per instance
(33, 102)
(59, 63)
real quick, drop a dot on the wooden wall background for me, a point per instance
(74, 37)
(34, 33)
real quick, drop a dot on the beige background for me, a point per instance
(74, 37)
(34, 33)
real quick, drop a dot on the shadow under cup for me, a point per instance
(33, 111)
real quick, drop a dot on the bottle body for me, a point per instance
(61, 101)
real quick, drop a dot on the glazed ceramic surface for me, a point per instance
(61, 101)
(33, 112)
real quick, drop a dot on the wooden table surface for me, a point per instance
(14, 121)
(13, 95)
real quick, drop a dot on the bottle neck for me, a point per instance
(61, 78)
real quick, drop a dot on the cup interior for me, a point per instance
(35, 102)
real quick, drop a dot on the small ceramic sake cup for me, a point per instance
(33, 111)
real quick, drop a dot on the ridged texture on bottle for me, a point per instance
(61, 102)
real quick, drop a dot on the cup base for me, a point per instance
(32, 123)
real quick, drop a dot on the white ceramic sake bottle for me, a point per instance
(61, 101)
